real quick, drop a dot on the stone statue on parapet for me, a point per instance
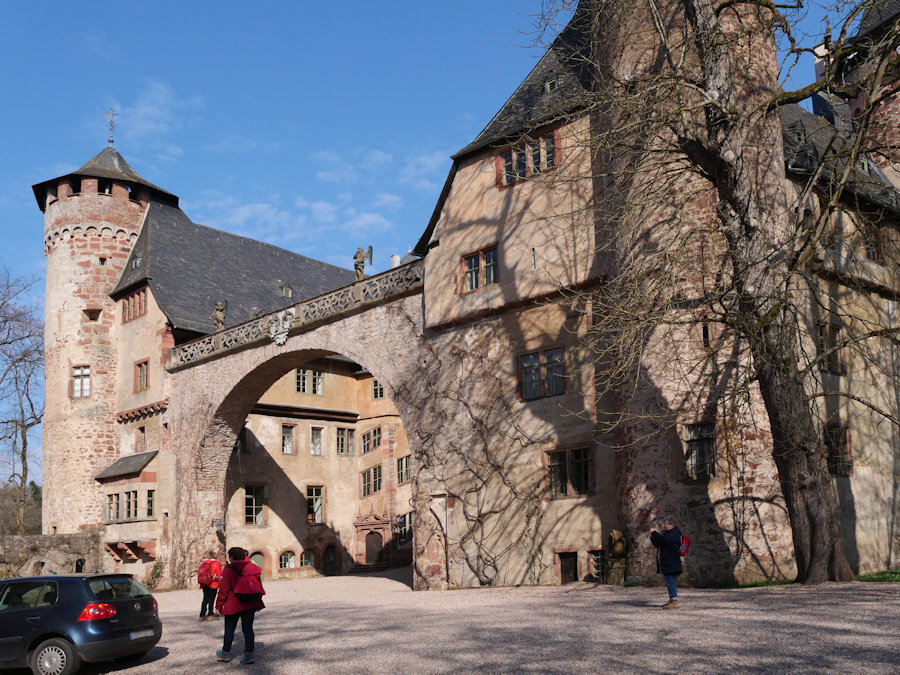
(359, 261)
(219, 315)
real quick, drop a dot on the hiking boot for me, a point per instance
(224, 656)
(671, 604)
(248, 658)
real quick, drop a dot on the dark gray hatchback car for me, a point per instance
(53, 623)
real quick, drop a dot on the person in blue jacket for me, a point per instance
(668, 558)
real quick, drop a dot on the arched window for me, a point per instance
(286, 560)
(307, 559)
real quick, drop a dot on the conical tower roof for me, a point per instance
(107, 163)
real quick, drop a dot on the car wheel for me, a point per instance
(55, 657)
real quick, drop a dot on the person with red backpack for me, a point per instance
(240, 597)
(208, 576)
(668, 557)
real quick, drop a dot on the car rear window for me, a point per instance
(114, 589)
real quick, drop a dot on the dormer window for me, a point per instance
(551, 84)
(287, 291)
(528, 159)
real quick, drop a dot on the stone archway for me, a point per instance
(211, 399)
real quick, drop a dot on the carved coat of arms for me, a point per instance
(280, 324)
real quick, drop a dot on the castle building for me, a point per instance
(204, 389)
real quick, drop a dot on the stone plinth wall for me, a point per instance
(30, 555)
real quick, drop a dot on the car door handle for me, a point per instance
(32, 619)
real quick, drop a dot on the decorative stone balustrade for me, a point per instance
(278, 325)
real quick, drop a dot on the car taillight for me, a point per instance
(97, 610)
(156, 607)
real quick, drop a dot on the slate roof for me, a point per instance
(873, 17)
(190, 267)
(531, 106)
(811, 139)
(107, 163)
(126, 466)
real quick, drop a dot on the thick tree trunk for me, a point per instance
(802, 464)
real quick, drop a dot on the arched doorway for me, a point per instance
(259, 559)
(374, 548)
(329, 566)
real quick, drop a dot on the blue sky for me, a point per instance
(315, 126)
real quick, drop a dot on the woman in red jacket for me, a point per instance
(208, 577)
(233, 607)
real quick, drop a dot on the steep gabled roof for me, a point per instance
(190, 267)
(876, 16)
(531, 105)
(811, 140)
(108, 163)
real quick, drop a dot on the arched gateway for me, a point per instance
(375, 328)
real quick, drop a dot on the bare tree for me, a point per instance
(21, 390)
(715, 254)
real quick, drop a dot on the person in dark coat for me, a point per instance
(668, 558)
(229, 606)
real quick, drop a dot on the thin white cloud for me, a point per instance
(420, 169)
(375, 159)
(156, 114)
(237, 144)
(324, 212)
(385, 200)
(366, 222)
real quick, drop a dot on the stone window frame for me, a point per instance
(308, 558)
(131, 505)
(403, 474)
(141, 375)
(700, 453)
(571, 456)
(829, 337)
(80, 374)
(134, 305)
(371, 440)
(544, 391)
(404, 528)
(260, 499)
(377, 390)
(113, 507)
(344, 442)
(241, 442)
(310, 381)
(475, 277)
(371, 481)
(140, 441)
(322, 437)
(310, 504)
(293, 447)
(287, 555)
(150, 502)
(838, 464)
(515, 163)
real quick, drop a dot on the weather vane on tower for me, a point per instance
(111, 116)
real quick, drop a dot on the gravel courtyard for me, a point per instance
(376, 624)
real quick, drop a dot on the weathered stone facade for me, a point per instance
(191, 440)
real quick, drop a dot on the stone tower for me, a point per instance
(91, 219)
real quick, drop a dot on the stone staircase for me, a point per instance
(366, 569)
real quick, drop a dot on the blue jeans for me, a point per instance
(231, 620)
(670, 584)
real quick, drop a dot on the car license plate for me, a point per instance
(138, 634)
